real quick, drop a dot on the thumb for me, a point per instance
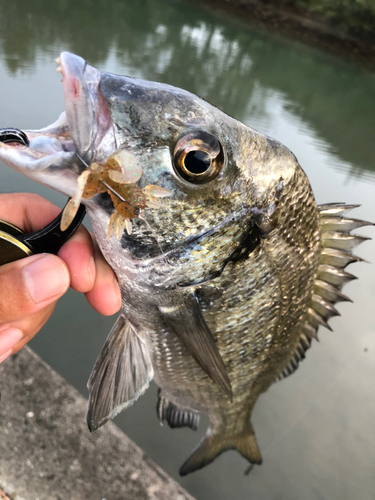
(30, 284)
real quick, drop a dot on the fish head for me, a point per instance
(208, 160)
(222, 177)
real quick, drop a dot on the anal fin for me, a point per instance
(212, 445)
(174, 415)
(121, 374)
(186, 320)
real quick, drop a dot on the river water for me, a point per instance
(316, 428)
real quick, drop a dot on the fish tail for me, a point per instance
(212, 445)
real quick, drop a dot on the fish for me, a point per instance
(227, 267)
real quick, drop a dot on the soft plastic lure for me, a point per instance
(117, 177)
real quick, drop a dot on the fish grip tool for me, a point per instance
(15, 244)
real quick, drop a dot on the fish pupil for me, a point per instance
(197, 162)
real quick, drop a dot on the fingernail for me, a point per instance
(91, 271)
(117, 292)
(5, 356)
(46, 278)
(8, 339)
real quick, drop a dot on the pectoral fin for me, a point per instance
(185, 318)
(121, 374)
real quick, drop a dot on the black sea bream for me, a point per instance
(227, 266)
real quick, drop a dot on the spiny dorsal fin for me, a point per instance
(121, 374)
(337, 244)
(186, 320)
(175, 416)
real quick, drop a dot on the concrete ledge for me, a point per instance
(47, 452)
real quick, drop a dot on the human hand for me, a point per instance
(30, 287)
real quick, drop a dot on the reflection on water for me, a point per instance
(226, 64)
(316, 428)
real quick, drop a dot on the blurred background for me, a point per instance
(316, 428)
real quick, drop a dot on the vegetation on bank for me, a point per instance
(355, 17)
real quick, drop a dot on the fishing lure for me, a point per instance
(117, 177)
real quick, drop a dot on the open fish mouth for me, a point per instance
(76, 135)
(78, 155)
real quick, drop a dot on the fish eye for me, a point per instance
(198, 157)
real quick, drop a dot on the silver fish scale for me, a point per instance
(256, 321)
(189, 218)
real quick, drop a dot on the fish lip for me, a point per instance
(87, 111)
(78, 79)
(77, 100)
(77, 133)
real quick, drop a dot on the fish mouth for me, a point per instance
(56, 155)
(86, 109)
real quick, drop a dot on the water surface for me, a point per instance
(316, 428)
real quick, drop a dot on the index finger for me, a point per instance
(89, 272)
(29, 212)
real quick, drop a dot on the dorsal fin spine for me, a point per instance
(337, 258)
(323, 307)
(310, 331)
(329, 292)
(334, 276)
(336, 209)
(315, 319)
(341, 240)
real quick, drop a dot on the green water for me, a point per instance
(315, 429)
